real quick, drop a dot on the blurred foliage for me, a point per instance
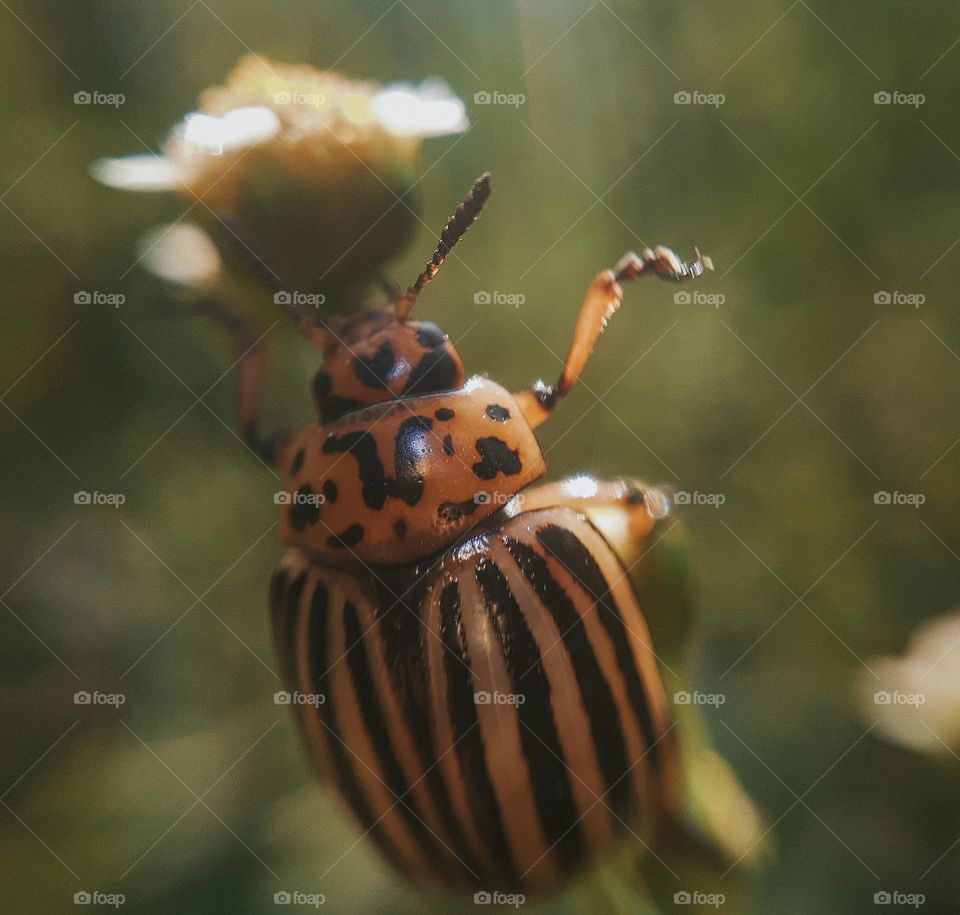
(809, 197)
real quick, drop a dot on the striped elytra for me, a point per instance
(493, 717)
(470, 665)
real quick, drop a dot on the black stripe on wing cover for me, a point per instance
(608, 739)
(285, 611)
(400, 616)
(567, 549)
(350, 785)
(538, 729)
(468, 741)
(375, 723)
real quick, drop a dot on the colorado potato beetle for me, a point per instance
(488, 702)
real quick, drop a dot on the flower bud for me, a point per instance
(306, 168)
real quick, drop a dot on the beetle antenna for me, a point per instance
(461, 220)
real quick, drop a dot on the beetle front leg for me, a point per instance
(250, 357)
(602, 300)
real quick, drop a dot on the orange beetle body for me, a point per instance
(480, 684)
(402, 479)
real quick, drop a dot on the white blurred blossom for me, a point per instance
(311, 166)
(915, 697)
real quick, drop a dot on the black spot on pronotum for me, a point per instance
(452, 512)
(447, 445)
(436, 371)
(498, 413)
(429, 335)
(330, 491)
(305, 509)
(400, 528)
(410, 446)
(297, 462)
(444, 413)
(496, 458)
(330, 406)
(347, 538)
(363, 446)
(374, 371)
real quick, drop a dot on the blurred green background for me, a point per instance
(798, 398)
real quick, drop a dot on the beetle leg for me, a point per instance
(602, 300)
(250, 361)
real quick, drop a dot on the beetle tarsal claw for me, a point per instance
(662, 262)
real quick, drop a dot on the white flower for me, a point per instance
(915, 698)
(262, 102)
(309, 168)
(430, 110)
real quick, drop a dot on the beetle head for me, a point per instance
(379, 354)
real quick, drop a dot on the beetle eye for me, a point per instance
(430, 336)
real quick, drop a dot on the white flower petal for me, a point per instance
(180, 253)
(138, 173)
(238, 128)
(915, 698)
(428, 110)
